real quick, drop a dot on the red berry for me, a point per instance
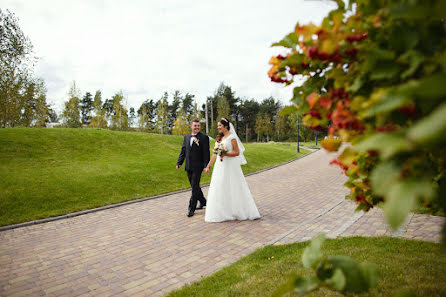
(313, 52)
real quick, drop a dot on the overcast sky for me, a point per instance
(147, 47)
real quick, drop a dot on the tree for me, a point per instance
(162, 116)
(119, 119)
(226, 92)
(143, 122)
(374, 75)
(223, 109)
(181, 126)
(22, 96)
(263, 127)
(98, 120)
(86, 108)
(188, 105)
(281, 127)
(97, 102)
(269, 106)
(147, 113)
(174, 107)
(41, 114)
(71, 113)
(107, 108)
(249, 110)
(197, 113)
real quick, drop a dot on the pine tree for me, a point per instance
(249, 110)
(188, 105)
(147, 114)
(86, 108)
(174, 107)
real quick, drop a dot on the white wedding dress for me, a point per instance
(229, 197)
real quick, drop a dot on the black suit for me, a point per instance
(197, 158)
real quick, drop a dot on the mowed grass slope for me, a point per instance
(49, 172)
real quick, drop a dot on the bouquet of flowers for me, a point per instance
(220, 149)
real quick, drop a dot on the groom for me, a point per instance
(195, 150)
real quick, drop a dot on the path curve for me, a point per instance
(150, 248)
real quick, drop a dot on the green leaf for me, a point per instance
(290, 41)
(402, 197)
(293, 60)
(304, 285)
(348, 156)
(388, 144)
(370, 273)
(390, 101)
(383, 176)
(381, 54)
(414, 59)
(355, 282)
(357, 84)
(312, 252)
(338, 280)
(431, 87)
(431, 128)
(385, 69)
(324, 270)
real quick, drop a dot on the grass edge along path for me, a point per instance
(39, 169)
(78, 213)
(403, 264)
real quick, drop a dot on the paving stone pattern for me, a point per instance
(150, 248)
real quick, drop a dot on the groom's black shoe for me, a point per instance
(190, 213)
(200, 206)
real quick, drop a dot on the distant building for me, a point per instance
(53, 125)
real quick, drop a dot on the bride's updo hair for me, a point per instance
(225, 123)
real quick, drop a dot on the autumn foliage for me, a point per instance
(375, 75)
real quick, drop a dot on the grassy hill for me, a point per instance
(49, 172)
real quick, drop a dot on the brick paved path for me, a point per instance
(150, 248)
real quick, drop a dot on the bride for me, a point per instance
(229, 197)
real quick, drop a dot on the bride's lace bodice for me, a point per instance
(228, 143)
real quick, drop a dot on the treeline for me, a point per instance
(23, 102)
(171, 114)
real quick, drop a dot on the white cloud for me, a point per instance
(147, 47)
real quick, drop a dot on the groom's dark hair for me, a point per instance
(195, 121)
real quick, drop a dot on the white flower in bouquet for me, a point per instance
(220, 149)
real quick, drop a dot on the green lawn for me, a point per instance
(403, 264)
(312, 144)
(49, 172)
